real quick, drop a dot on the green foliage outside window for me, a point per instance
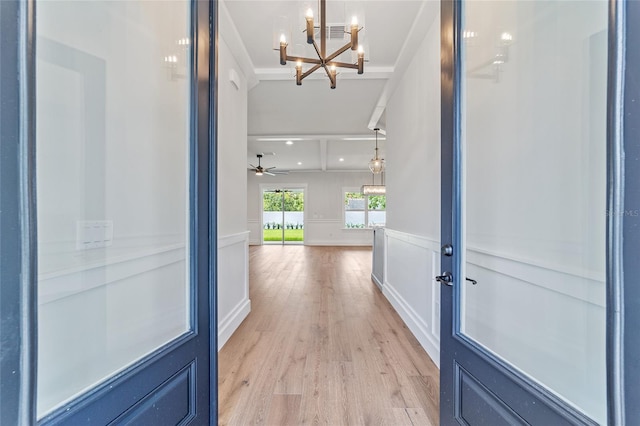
(377, 202)
(293, 202)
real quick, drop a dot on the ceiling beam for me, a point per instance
(323, 155)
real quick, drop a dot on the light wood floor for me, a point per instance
(322, 346)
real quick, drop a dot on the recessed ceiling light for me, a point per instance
(299, 163)
(342, 159)
(289, 142)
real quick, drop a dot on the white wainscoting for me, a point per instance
(95, 318)
(255, 233)
(331, 232)
(412, 262)
(233, 284)
(549, 322)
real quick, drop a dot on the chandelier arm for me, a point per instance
(305, 60)
(338, 52)
(323, 29)
(315, 46)
(326, 69)
(310, 70)
(345, 65)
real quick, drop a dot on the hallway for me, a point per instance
(322, 346)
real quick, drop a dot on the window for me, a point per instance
(363, 211)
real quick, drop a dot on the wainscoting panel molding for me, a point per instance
(233, 284)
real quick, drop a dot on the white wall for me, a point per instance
(324, 223)
(413, 193)
(233, 278)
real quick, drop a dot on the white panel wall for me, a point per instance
(412, 262)
(232, 142)
(233, 280)
(233, 284)
(324, 223)
(412, 233)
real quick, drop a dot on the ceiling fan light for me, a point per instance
(258, 173)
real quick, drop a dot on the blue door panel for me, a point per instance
(171, 403)
(480, 406)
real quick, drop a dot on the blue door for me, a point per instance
(533, 214)
(108, 274)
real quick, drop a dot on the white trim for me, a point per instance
(425, 18)
(415, 240)
(376, 281)
(228, 325)
(231, 239)
(58, 285)
(572, 285)
(236, 46)
(576, 272)
(323, 221)
(337, 244)
(232, 321)
(419, 328)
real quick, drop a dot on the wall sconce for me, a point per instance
(496, 63)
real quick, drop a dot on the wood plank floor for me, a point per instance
(322, 345)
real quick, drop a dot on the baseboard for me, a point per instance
(338, 243)
(227, 326)
(376, 281)
(419, 329)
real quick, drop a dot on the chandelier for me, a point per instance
(323, 61)
(376, 165)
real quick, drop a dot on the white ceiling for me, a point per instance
(319, 117)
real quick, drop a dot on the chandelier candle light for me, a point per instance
(323, 61)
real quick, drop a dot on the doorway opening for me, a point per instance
(283, 216)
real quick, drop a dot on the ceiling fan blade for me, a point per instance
(254, 167)
(268, 173)
(280, 172)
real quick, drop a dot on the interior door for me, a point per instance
(124, 296)
(524, 202)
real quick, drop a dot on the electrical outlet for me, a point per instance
(92, 234)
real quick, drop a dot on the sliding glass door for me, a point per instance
(283, 216)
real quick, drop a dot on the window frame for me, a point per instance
(366, 209)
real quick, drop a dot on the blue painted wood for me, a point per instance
(615, 203)
(17, 215)
(629, 116)
(212, 114)
(509, 390)
(171, 403)
(480, 406)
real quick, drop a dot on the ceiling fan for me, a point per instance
(266, 170)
